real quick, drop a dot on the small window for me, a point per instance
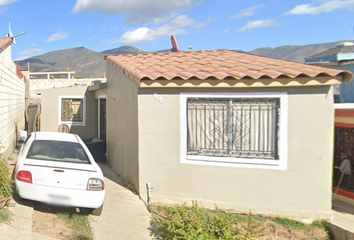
(72, 110)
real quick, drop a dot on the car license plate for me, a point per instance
(58, 199)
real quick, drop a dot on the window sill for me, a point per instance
(235, 162)
(79, 124)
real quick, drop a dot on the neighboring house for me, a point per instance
(220, 127)
(343, 180)
(80, 107)
(12, 98)
(340, 57)
(48, 80)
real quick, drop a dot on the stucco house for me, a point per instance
(339, 57)
(238, 130)
(81, 108)
(12, 98)
(76, 106)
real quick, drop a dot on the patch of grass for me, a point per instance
(322, 224)
(4, 216)
(289, 223)
(5, 179)
(79, 225)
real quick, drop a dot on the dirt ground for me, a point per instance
(46, 222)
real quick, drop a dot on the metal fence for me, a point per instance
(239, 127)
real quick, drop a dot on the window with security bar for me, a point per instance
(72, 109)
(233, 127)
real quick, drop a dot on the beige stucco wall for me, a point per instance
(304, 189)
(12, 102)
(50, 110)
(122, 125)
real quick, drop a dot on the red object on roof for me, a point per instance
(174, 44)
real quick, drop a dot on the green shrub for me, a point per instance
(5, 180)
(194, 223)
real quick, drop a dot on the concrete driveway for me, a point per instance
(124, 215)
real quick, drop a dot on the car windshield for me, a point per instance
(57, 151)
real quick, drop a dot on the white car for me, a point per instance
(57, 168)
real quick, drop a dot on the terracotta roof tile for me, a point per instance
(217, 64)
(4, 43)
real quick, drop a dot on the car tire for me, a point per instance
(16, 196)
(97, 211)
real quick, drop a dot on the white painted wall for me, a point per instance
(12, 102)
(39, 84)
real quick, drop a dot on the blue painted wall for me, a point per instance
(346, 89)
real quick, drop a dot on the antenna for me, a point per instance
(11, 35)
(174, 44)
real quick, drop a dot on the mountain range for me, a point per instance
(91, 64)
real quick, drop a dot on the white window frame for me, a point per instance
(280, 164)
(71, 123)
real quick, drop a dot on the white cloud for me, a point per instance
(257, 24)
(204, 23)
(246, 12)
(57, 36)
(323, 7)
(143, 34)
(136, 12)
(4, 3)
(30, 52)
(225, 31)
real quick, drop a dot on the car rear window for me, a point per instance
(58, 151)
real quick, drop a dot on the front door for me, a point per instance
(102, 131)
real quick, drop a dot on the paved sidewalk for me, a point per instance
(20, 226)
(342, 223)
(8, 232)
(124, 215)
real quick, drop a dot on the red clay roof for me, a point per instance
(214, 65)
(4, 43)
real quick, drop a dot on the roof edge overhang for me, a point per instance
(7, 43)
(126, 69)
(244, 83)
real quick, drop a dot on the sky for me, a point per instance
(197, 24)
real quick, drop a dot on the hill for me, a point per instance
(88, 63)
(123, 50)
(83, 61)
(295, 53)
